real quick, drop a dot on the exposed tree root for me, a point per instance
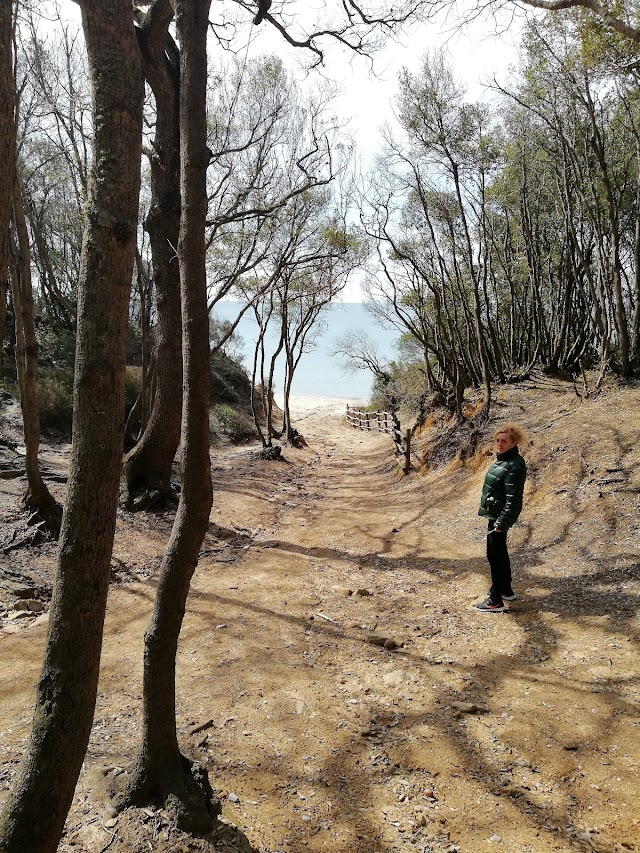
(47, 515)
(270, 454)
(151, 499)
(297, 440)
(40, 528)
(186, 794)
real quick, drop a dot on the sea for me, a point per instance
(319, 374)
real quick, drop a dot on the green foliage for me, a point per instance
(54, 395)
(219, 331)
(132, 385)
(404, 386)
(56, 346)
(229, 381)
(599, 43)
(382, 395)
(235, 424)
(230, 390)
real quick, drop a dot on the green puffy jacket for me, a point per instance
(503, 487)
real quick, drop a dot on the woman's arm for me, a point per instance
(514, 487)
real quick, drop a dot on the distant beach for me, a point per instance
(303, 406)
(320, 374)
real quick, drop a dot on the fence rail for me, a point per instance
(386, 422)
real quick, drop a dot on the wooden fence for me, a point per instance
(385, 422)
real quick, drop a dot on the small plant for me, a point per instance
(132, 385)
(229, 380)
(232, 423)
(54, 395)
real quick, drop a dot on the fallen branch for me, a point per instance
(109, 842)
(326, 618)
(208, 725)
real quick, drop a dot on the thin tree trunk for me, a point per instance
(148, 465)
(8, 146)
(258, 368)
(256, 420)
(287, 426)
(480, 334)
(34, 812)
(560, 347)
(620, 317)
(161, 769)
(145, 290)
(271, 431)
(37, 496)
(635, 322)
(64, 306)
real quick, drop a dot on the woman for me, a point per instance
(501, 503)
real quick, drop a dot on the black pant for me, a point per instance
(498, 558)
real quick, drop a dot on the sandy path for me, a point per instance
(323, 742)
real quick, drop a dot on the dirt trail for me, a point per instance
(322, 741)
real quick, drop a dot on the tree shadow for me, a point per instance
(561, 597)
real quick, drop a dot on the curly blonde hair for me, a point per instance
(514, 431)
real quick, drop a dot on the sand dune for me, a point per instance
(303, 407)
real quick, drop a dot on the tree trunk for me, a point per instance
(258, 350)
(620, 318)
(559, 351)
(4, 286)
(635, 322)
(160, 769)
(61, 305)
(145, 294)
(37, 496)
(287, 426)
(271, 430)
(33, 816)
(7, 145)
(147, 467)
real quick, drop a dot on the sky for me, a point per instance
(477, 54)
(366, 102)
(367, 99)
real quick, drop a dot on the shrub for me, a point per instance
(56, 346)
(237, 425)
(54, 395)
(132, 385)
(229, 381)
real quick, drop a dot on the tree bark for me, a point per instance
(37, 496)
(62, 305)
(7, 145)
(597, 143)
(33, 816)
(161, 770)
(635, 321)
(480, 334)
(147, 466)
